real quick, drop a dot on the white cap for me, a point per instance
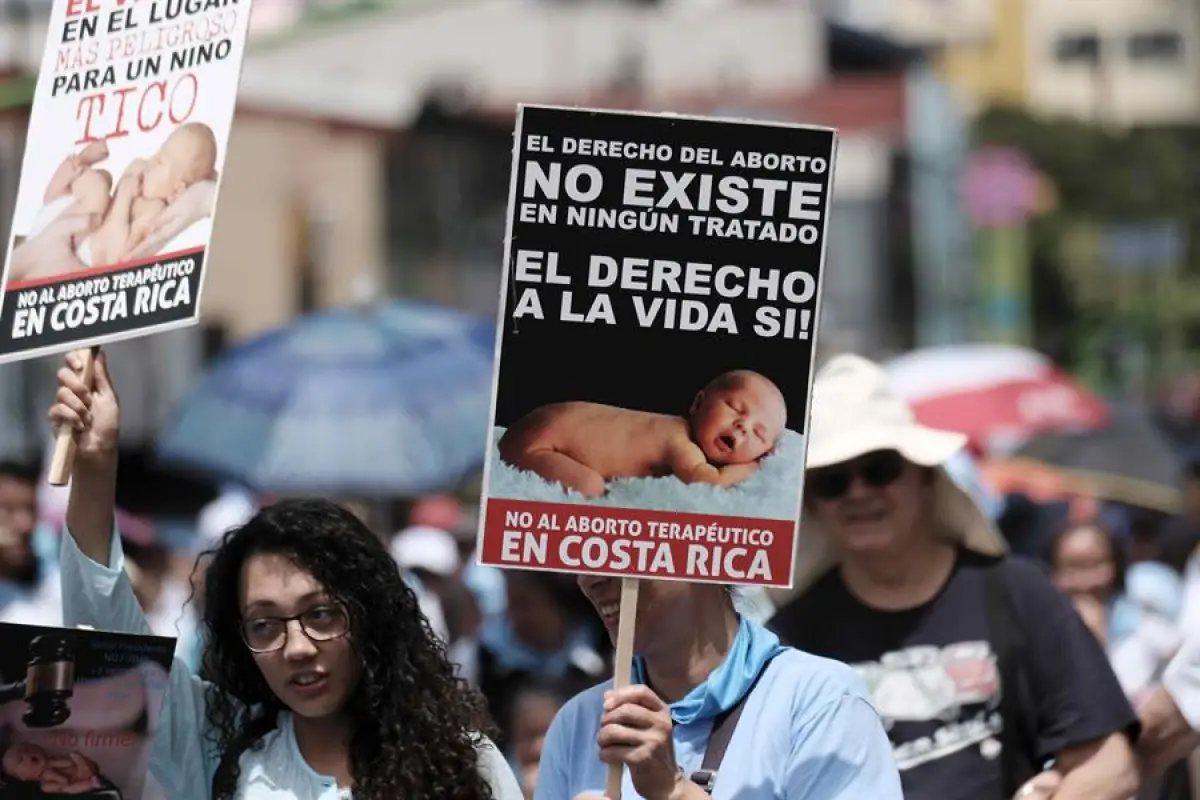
(230, 510)
(427, 548)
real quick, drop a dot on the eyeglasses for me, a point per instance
(320, 624)
(876, 470)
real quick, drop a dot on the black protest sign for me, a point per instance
(658, 318)
(44, 316)
(651, 253)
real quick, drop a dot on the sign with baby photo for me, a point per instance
(657, 324)
(78, 711)
(123, 158)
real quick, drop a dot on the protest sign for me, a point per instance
(126, 143)
(655, 355)
(78, 711)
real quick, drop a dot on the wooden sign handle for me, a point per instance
(64, 443)
(624, 666)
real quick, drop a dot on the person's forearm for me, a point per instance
(19, 266)
(156, 239)
(120, 214)
(1166, 736)
(1108, 772)
(139, 229)
(61, 180)
(24, 262)
(195, 204)
(91, 509)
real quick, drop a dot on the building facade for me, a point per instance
(1118, 62)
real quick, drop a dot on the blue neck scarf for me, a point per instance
(752, 648)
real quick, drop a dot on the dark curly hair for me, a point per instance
(417, 725)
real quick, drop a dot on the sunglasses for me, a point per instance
(876, 470)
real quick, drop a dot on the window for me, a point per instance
(214, 337)
(447, 195)
(1077, 48)
(1156, 46)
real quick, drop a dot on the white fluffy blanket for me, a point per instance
(770, 493)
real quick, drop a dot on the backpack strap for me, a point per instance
(724, 725)
(1016, 740)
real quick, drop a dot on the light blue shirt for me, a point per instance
(183, 760)
(807, 732)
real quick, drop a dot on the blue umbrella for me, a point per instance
(387, 400)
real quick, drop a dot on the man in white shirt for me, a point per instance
(425, 555)
(1170, 719)
(1171, 714)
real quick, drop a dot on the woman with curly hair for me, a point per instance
(323, 679)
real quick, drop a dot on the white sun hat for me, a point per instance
(855, 412)
(428, 548)
(232, 508)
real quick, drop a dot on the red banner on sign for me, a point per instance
(631, 543)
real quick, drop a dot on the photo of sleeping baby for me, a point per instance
(86, 223)
(26, 765)
(729, 453)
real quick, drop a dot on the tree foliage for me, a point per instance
(1100, 177)
(1109, 176)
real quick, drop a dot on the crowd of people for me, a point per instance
(914, 657)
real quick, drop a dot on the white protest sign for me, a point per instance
(126, 145)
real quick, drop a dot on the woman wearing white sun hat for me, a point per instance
(981, 670)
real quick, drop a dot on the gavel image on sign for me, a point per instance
(49, 681)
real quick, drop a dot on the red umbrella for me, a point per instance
(997, 395)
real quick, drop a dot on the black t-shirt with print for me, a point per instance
(933, 673)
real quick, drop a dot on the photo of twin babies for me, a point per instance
(85, 223)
